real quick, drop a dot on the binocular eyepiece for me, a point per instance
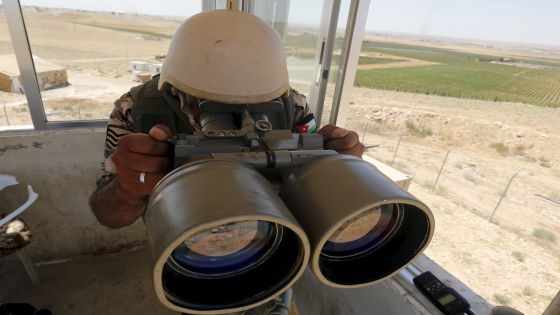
(236, 225)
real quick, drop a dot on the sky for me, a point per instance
(523, 21)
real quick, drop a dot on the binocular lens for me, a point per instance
(226, 250)
(226, 254)
(363, 232)
(362, 226)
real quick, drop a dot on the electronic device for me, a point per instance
(443, 297)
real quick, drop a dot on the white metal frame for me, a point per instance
(325, 46)
(327, 34)
(355, 28)
(22, 50)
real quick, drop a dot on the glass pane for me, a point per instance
(14, 112)
(300, 40)
(89, 54)
(335, 63)
(297, 22)
(483, 81)
(300, 35)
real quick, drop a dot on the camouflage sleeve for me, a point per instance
(120, 124)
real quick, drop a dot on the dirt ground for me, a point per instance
(506, 260)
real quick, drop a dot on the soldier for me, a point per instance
(224, 56)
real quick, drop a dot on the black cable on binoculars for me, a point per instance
(270, 159)
(270, 155)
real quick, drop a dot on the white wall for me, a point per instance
(62, 168)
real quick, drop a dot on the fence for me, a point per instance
(497, 217)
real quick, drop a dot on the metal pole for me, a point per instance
(440, 170)
(503, 194)
(284, 306)
(365, 131)
(396, 149)
(6, 115)
(234, 5)
(22, 50)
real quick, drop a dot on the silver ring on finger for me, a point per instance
(143, 178)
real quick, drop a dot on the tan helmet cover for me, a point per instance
(226, 56)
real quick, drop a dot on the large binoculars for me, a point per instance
(248, 208)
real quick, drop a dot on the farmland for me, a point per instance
(466, 75)
(452, 73)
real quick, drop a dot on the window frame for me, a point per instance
(24, 57)
(327, 33)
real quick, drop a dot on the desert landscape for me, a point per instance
(512, 259)
(496, 110)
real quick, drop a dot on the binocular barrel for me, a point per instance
(223, 239)
(362, 226)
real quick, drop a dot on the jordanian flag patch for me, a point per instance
(306, 124)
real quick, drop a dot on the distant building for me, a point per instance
(49, 75)
(138, 66)
(141, 76)
(143, 71)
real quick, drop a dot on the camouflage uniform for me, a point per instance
(121, 123)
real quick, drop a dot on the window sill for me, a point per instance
(56, 127)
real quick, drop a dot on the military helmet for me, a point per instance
(228, 57)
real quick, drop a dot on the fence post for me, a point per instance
(440, 170)
(6, 115)
(396, 149)
(365, 131)
(503, 194)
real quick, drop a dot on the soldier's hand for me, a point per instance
(139, 153)
(342, 140)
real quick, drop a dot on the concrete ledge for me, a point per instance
(62, 167)
(395, 175)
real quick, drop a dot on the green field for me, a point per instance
(465, 75)
(457, 74)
